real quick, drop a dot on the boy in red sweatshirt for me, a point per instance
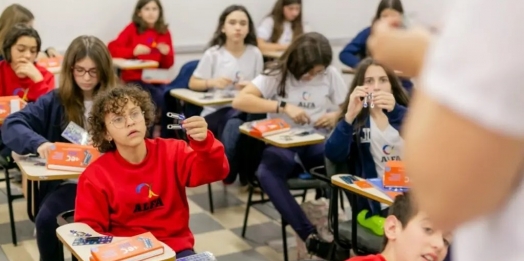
(409, 235)
(19, 75)
(138, 185)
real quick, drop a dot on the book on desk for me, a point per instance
(137, 248)
(264, 128)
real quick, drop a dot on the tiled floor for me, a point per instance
(218, 233)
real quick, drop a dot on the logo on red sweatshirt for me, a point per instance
(154, 200)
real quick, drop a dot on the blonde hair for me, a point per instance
(13, 14)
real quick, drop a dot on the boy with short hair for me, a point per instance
(409, 235)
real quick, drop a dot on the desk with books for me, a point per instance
(340, 180)
(125, 64)
(33, 171)
(83, 252)
(285, 139)
(200, 98)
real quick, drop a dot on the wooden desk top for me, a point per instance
(273, 55)
(125, 64)
(84, 252)
(371, 193)
(32, 171)
(54, 70)
(278, 140)
(197, 98)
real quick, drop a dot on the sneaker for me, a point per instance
(318, 247)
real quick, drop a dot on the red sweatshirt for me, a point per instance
(28, 90)
(115, 197)
(127, 40)
(368, 258)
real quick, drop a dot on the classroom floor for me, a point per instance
(218, 233)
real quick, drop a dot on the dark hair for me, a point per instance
(400, 94)
(17, 31)
(304, 53)
(219, 38)
(13, 14)
(160, 25)
(404, 209)
(70, 94)
(278, 20)
(388, 4)
(113, 100)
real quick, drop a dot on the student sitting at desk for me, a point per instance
(357, 48)
(87, 69)
(409, 235)
(281, 26)
(300, 88)
(372, 114)
(17, 14)
(139, 184)
(147, 37)
(231, 61)
(19, 75)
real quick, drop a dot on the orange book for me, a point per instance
(50, 62)
(268, 127)
(394, 175)
(71, 157)
(137, 248)
(10, 104)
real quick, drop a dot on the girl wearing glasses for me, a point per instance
(86, 70)
(149, 191)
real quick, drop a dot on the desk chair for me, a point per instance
(7, 163)
(63, 219)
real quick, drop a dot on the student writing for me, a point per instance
(300, 88)
(19, 75)
(87, 68)
(281, 26)
(148, 194)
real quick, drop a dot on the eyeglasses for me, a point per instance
(79, 71)
(120, 121)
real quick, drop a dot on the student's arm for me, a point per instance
(338, 145)
(264, 32)
(166, 61)
(92, 206)
(349, 55)
(200, 80)
(121, 46)
(22, 131)
(201, 162)
(253, 98)
(42, 87)
(464, 137)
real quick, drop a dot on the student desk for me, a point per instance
(371, 193)
(197, 98)
(84, 252)
(34, 173)
(278, 140)
(124, 64)
(272, 55)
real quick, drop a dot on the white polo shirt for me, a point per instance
(475, 68)
(265, 30)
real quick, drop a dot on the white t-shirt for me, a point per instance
(265, 30)
(475, 69)
(384, 146)
(219, 62)
(315, 96)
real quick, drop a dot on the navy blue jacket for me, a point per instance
(38, 122)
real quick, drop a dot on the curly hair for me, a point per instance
(114, 100)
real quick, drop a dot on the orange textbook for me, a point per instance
(394, 175)
(10, 104)
(268, 127)
(71, 157)
(50, 62)
(137, 248)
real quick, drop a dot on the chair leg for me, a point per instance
(210, 195)
(342, 200)
(284, 240)
(73, 258)
(10, 206)
(304, 196)
(246, 215)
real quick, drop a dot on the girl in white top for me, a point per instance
(281, 26)
(299, 87)
(231, 61)
(467, 121)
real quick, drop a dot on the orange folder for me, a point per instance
(137, 248)
(71, 157)
(394, 175)
(50, 62)
(10, 104)
(268, 127)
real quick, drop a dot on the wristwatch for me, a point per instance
(281, 105)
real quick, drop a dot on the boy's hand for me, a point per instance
(196, 128)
